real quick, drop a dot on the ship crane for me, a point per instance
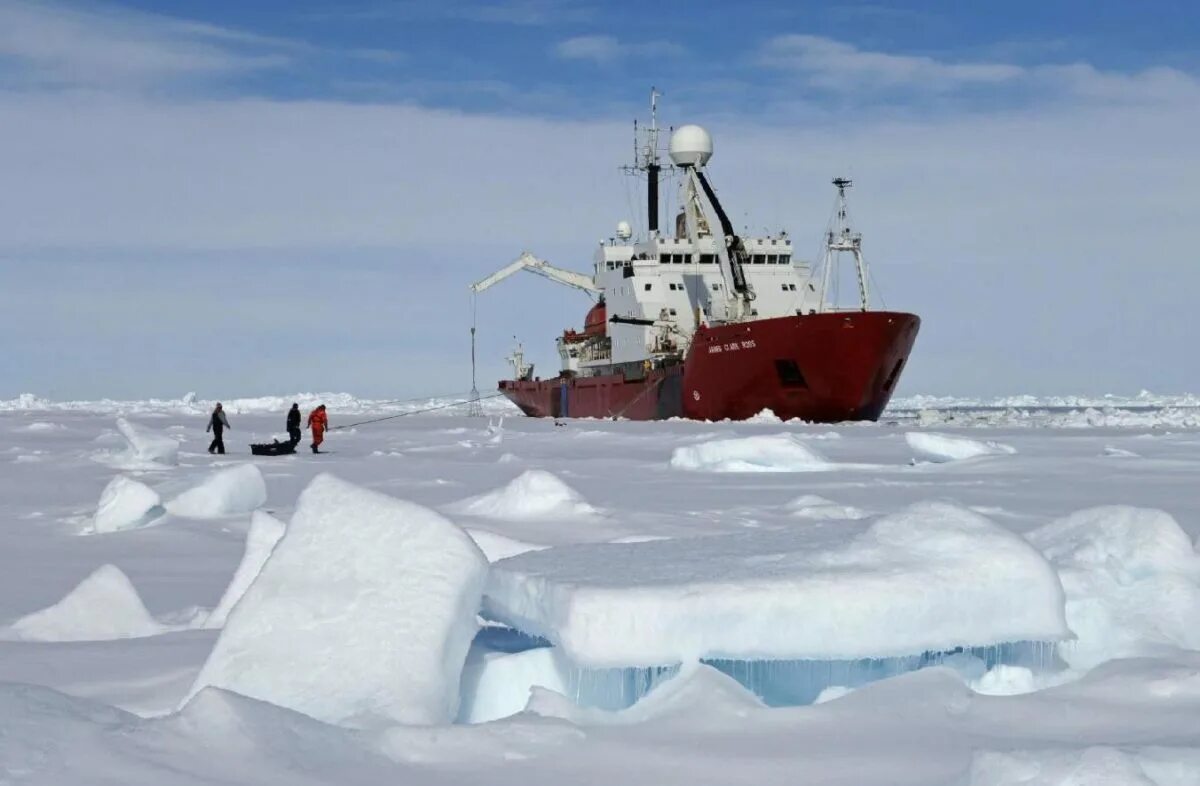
(528, 261)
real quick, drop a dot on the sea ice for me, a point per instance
(931, 578)
(227, 492)
(146, 448)
(496, 547)
(362, 615)
(1090, 766)
(498, 684)
(775, 453)
(945, 447)
(811, 506)
(1132, 580)
(126, 504)
(534, 494)
(103, 606)
(265, 531)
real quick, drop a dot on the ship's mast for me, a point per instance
(840, 238)
(645, 158)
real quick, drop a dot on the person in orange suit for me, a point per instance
(319, 423)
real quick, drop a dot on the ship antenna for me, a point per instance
(841, 238)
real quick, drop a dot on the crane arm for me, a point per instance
(528, 261)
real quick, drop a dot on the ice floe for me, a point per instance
(532, 495)
(946, 447)
(145, 449)
(362, 614)
(265, 531)
(774, 453)
(905, 584)
(227, 492)
(103, 606)
(126, 504)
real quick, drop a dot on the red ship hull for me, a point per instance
(822, 368)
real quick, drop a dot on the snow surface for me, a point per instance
(265, 531)
(75, 712)
(125, 504)
(362, 614)
(947, 447)
(105, 605)
(909, 583)
(534, 494)
(227, 492)
(775, 453)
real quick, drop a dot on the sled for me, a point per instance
(275, 448)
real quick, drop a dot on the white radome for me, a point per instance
(624, 231)
(691, 146)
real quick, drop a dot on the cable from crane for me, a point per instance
(474, 410)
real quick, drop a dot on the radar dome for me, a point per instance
(624, 231)
(690, 146)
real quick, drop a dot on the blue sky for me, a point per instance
(240, 198)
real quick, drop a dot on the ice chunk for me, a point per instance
(496, 546)
(362, 615)
(930, 578)
(103, 606)
(227, 492)
(265, 531)
(1090, 766)
(534, 494)
(147, 449)
(41, 425)
(1115, 452)
(498, 684)
(945, 447)
(1132, 579)
(126, 504)
(810, 506)
(775, 453)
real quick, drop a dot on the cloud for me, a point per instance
(523, 13)
(55, 45)
(837, 65)
(605, 49)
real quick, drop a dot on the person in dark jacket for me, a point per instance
(293, 424)
(217, 425)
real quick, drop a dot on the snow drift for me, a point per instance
(227, 492)
(126, 504)
(103, 606)
(811, 506)
(265, 531)
(362, 614)
(1132, 581)
(945, 447)
(908, 583)
(776, 453)
(534, 494)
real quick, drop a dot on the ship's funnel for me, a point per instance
(691, 146)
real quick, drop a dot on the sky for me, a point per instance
(235, 198)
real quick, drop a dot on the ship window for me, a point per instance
(785, 259)
(785, 289)
(789, 374)
(757, 259)
(716, 287)
(706, 259)
(671, 312)
(687, 259)
(754, 312)
(664, 259)
(647, 287)
(677, 259)
(772, 259)
(792, 287)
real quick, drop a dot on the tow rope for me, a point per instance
(414, 412)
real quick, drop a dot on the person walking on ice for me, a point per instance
(293, 424)
(319, 423)
(217, 424)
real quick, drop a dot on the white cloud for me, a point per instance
(55, 45)
(838, 66)
(604, 49)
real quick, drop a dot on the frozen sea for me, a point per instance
(107, 589)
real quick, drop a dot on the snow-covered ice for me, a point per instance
(1128, 685)
(124, 504)
(947, 447)
(533, 494)
(774, 453)
(227, 492)
(265, 531)
(908, 583)
(103, 606)
(146, 449)
(362, 614)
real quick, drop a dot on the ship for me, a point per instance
(707, 323)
